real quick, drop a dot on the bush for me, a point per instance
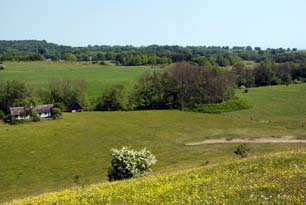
(34, 116)
(56, 113)
(60, 106)
(226, 106)
(102, 63)
(8, 118)
(114, 99)
(128, 164)
(242, 150)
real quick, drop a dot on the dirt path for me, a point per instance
(285, 139)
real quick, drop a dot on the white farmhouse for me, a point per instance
(18, 113)
(43, 111)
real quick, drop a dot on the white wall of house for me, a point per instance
(44, 114)
(22, 117)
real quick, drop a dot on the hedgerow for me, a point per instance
(225, 106)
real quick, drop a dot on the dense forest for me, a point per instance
(33, 50)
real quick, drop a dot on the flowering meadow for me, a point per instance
(273, 179)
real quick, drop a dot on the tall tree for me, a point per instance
(69, 57)
(12, 93)
(264, 73)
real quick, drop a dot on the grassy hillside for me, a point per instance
(45, 156)
(276, 101)
(97, 77)
(276, 179)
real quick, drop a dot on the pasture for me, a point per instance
(98, 77)
(46, 156)
(273, 179)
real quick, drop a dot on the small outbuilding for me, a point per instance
(74, 107)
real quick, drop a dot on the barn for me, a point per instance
(74, 107)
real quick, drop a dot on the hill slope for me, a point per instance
(278, 178)
(44, 157)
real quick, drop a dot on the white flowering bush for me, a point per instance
(128, 164)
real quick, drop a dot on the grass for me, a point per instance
(227, 106)
(277, 105)
(45, 156)
(275, 179)
(98, 78)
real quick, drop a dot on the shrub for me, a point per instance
(242, 150)
(34, 116)
(129, 163)
(113, 99)
(102, 63)
(69, 57)
(60, 105)
(8, 118)
(226, 106)
(56, 113)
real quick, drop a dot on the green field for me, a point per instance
(98, 78)
(274, 179)
(45, 156)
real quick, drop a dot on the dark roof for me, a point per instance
(39, 109)
(16, 110)
(43, 108)
(74, 106)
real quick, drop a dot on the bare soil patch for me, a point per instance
(283, 139)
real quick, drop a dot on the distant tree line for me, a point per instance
(32, 50)
(134, 59)
(268, 72)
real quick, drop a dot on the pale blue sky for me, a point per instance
(265, 23)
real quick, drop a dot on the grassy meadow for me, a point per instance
(274, 179)
(98, 77)
(46, 156)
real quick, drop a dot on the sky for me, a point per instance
(264, 23)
